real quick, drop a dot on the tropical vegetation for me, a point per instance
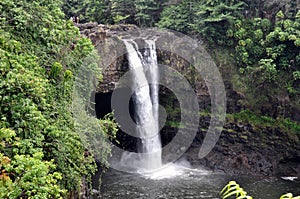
(47, 148)
(260, 37)
(42, 154)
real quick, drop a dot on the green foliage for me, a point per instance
(264, 36)
(233, 190)
(32, 177)
(289, 196)
(41, 152)
(109, 126)
(213, 18)
(267, 55)
(178, 17)
(26, 175)
(92, 132)
(141, 12)
(56, 69)
(88, 10)
(146, 12)
(209, 18)
(122, 11)
(264, 121)
(95, 133)
(247, 36)
(6, 136)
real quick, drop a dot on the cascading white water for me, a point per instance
(145, 70)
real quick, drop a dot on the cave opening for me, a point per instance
(129, 143)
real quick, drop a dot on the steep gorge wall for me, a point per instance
(242, 147)
(118, 65)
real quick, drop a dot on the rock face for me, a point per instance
(111, 51)
(248, 149)
(242, 147)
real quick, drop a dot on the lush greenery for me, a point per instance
(246, 116)
(140, 12)
(263, 39)
(233, 190)
(41, 152)
(269, 55)
(47, 144)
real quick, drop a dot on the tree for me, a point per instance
(88, 10)
(209, 18)
(179, 17)
(122, 11)
(214, 17)
(147, 12)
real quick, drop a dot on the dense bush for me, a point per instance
(210, 19)
(262, 38)
(139, 12)
(268, 55)
(41, 152)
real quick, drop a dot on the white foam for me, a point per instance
(166, 171)
(173, 170)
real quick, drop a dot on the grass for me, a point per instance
(247, 116)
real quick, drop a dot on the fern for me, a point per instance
(289, 196)
(233, 190)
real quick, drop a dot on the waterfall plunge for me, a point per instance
(145, 70)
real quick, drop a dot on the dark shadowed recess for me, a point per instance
(128, 142)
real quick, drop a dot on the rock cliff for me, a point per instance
(242, 148)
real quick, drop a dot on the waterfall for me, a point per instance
(145, 77)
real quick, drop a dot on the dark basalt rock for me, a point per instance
(242, 150)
